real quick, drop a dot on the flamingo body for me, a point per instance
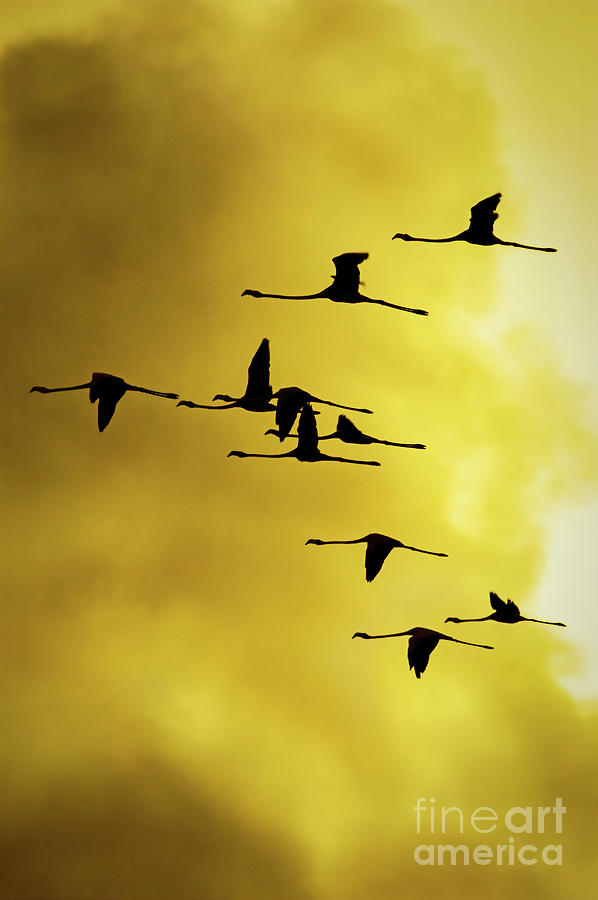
(291, 400)
(307, 445)
(349, 433)
(504, 611)
(422, 642)
(480, 230)
(258, 393)
(108, 390)
(344, 287)
(378, 546)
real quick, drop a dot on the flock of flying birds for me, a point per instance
(293, 402)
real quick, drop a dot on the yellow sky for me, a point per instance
(185, 710)
(540, 58)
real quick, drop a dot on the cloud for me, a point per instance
(164, 605)
(179, 839)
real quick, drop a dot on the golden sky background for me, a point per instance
(185, 713)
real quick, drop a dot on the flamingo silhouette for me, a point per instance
(258, 393)
(349, 433)
(307, 445)
(378, 546)
(421, 644)
(344, 287)
(109, 389)
(480, 230)
(504, 612)
(291, 400)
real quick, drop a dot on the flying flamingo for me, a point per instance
(307, 445)
(378, 546)
(109, 389)
(291, 400)
(344, 287)
(480, 230)
(349, 433)
(421, 644)
(258, 393)
(504, 612)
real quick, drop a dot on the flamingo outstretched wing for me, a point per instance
(258, 373)
(347, 274)
(289, 402)
(308, 432)
(107, 390)
(418, 652)
(375, 554)
(106, 408)
(349, 432)
(501, 606)
(484, 215)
